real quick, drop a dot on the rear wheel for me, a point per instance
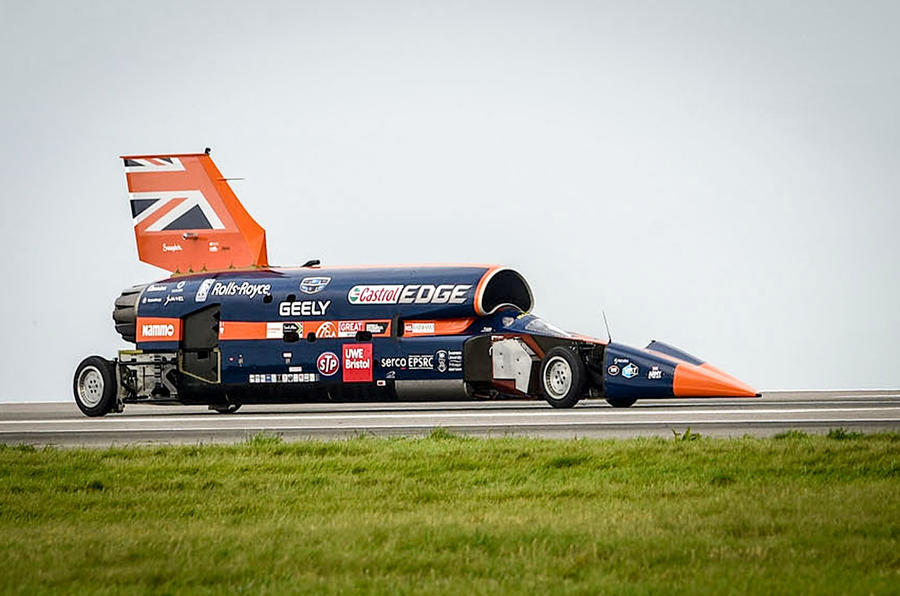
(621, 402)
(95, 386)
(562, 377)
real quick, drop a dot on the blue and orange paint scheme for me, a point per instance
(226, 328)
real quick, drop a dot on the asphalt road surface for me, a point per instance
(63, 424)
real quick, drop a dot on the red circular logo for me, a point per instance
(328, 363)
(326, 330)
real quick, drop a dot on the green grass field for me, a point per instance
(456, 515)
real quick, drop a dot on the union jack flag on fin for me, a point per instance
(187, 218)
(153, 164)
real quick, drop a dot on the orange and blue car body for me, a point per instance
(225, 328)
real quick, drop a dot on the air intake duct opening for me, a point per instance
(501, 288)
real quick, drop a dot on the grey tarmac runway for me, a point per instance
(816, 412)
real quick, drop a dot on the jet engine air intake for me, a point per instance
(503, 287)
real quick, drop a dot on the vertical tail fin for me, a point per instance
(187, 218)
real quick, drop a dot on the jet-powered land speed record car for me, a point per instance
(225, 328)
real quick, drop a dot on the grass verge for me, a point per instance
(795, 513)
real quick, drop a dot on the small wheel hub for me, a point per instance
(558, 378)
(90, 386)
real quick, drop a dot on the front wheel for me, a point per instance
(95, 386)
(562, 377)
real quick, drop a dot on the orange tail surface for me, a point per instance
(187, 218)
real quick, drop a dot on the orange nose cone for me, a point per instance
(706, 381)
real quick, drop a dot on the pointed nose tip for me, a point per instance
(702, 381)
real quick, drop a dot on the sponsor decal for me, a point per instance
(440, 361)
(304, 308)
(454, 360)
(244, 289)
(291, 377)
(156, 288)
(203, 290)
(249, 330)
(158, 329)
(351, 328)
(390, 375)
(374, 294)
(418, 328)
(327, 363)
(393, 362)
(171, 298)
(621, 360)
(171, 247)
(155, 300)
(654, 374)
(179, 287)
(420, 361)
(377, 327)
(409, 294)
(613, 370)
(326, 330)
(357, 363)
(428, 294)
(213, 247)
(507, 321)
(630, 371)
(313, 285)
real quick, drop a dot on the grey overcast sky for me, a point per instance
(719, 175)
